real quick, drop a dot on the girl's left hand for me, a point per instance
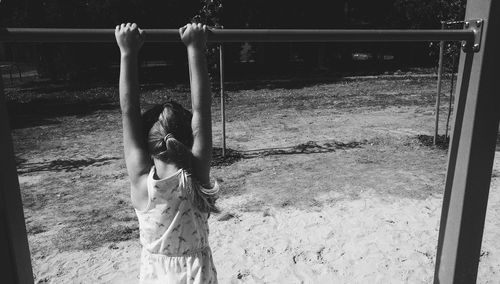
(194, 35)
(129, 38)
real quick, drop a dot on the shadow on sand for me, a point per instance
(45, 111)
(310, 147)
(59, 165)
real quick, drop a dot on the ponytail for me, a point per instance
(169, 137)
(175, 152)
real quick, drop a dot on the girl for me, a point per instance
(168, 153)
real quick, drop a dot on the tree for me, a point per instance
(429, 13)
(210, 14)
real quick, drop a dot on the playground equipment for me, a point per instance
(471, 151)
(444, 25)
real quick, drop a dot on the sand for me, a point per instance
(368, 240)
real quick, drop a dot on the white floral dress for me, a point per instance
(174, 234)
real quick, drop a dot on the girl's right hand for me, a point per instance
(194, 35)
(129, 38)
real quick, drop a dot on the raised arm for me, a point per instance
(130, 39)
(194, 37)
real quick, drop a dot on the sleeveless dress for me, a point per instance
(174, 234)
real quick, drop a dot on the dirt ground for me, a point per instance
(329, 181)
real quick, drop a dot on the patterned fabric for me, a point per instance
(174, 234)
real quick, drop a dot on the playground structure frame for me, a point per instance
(470, 157)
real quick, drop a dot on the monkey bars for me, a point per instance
(471, 152)
(239, 35)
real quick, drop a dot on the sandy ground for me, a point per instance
(333, 187)
(370, 240)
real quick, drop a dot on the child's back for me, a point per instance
(174, 233)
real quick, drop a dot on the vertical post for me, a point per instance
(471, 153)
(222, 99)
(438, 97)
(451, 96)
(14, 247)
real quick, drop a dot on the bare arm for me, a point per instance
(130, 39)
(194, 37)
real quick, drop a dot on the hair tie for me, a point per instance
(168, 136)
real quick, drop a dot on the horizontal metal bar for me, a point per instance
(239, 35)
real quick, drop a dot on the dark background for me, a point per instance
(91, 61)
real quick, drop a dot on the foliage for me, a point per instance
(429, 13)
(210, 15)
(451, 51)
(316, 14)
(66, 61)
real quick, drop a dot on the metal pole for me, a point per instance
(241, 35)
(451, 95)
(438, 97)
(14, 248)
(222, 99)
(471, 153)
